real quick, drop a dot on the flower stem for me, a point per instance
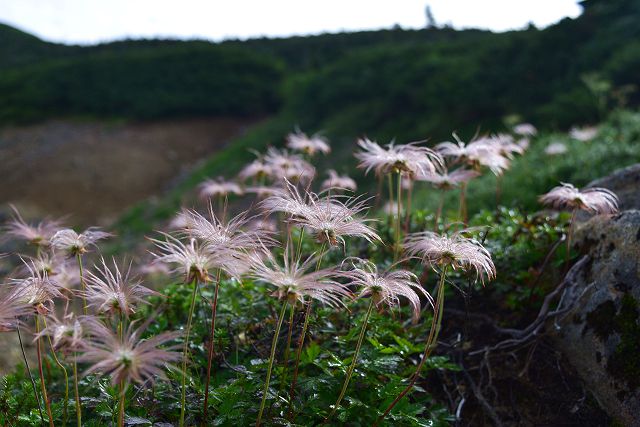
(33, 382)
(463, 203)
(287, 348)
(429, 346)
(399, 209)
(123, 392)
(66, 378)
(211, 352)
(353, 363)
(77, 393)
(567, 256)
(303, 334)
(185, 352)
(47, 404)
(407, 216)
(274, 344)
(439, 212)
(82, 284)
(294, 380)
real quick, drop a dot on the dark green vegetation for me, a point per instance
(244, 328)
(392, 83)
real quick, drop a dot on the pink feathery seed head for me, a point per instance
(411, 158)
(256, 169)
(66, 333)
(180, 221)
(226, 236)
(386, 287)
(447, 180)
(262, 224)
(289, 201)
(68, 275)
(110, 291)
(525, 129)
(338, 182)
(524, 143)
(74, 244)
(481, 152)
(505, 145)
(37, 290)
(192, 259)
(49, 263)
(290, 167)
(584, 134)
(263, 191)
(12, 307)
(215, 188)
(330, 218)
(333, 218)
(555, 148)
(299, 141)
(296, 281)
(37, 234)
(129, 358)
(594, 200)
(456, 251)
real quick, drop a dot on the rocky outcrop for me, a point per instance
(601, 335)
(626, 184)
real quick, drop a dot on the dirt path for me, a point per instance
(95, 170)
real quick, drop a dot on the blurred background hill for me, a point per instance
(404, 84)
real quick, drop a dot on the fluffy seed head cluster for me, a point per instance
(299, 141)
(256, 169)
(525, 129)
(290, 167)
(12, 307)
(295, 282)
(446, 180)
(37, 289)
(264, 191)
(39, 234)
(330, 218)
(555, 148)
(585, 134)
(130, 358)
(110, 291)
(338, 182)
(227, 236)
(66, 334)
(74, 244)
(45, 262)
(386, 287)
(594, 200)
(456, 251)
(488, 152)
(215, 188)
(192, 259)
(410, 159)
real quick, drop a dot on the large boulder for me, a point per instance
(601, 335)
(625, 183)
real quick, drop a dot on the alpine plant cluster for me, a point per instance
(80, 308)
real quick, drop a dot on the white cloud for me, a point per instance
(90, 21)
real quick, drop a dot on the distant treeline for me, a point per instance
(430, 81)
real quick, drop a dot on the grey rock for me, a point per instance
(601, 335)
(625, 183)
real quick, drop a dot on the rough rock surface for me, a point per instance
(601, 336)
(626, 184)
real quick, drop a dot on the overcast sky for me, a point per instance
(92, 21)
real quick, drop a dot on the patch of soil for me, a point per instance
(95, 170)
